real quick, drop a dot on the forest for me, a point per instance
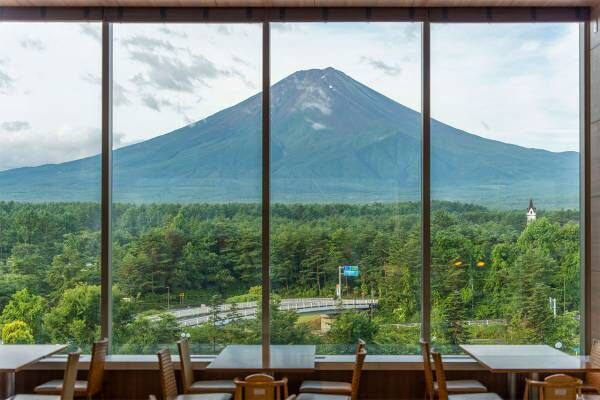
(495, 278)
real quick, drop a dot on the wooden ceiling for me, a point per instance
(303, 3)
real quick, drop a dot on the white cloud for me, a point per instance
(15, 126)
(318, 126)
(33, 44)
(92, 31)
(511, 82)
(28, 148)
(202, 70)
(51, 113)
(521, 79)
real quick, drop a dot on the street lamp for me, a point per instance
(458, 263)
(168, 298)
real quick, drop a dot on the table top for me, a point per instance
(527, 358)
(14, 357)
(249, 357)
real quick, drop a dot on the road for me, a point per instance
(225, 313)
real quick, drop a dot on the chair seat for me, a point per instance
(34, 397)
(589, 388)
(464, 386)
(212, 386)
(206, 396)
(326, 387)
(321, 396)
(55, 387)
(475, 396)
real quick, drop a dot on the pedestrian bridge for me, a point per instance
(226, 313)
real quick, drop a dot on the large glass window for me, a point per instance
(345, 180)
(505, 184)
(50, 102)
(345, 185)
(187, 185)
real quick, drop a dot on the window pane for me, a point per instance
(505, 184)
(50, 183)
(345, 185)
(187, 185)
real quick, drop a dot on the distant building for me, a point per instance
(531, 215)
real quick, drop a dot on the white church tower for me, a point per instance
(530, 212)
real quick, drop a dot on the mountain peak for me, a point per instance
(317, 71)
(316, 75)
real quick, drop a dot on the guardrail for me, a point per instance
(225, 313)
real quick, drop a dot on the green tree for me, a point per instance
(79, 262)
(76, 317)
(17, 332)
(28, 308)
(147, 334)
(350, 326)
(27, 259)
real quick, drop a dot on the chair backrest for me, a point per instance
(360, 344)
(593, 378)
(426, 352)
(440, 376)
(96, 373)
(168, 383)
(556, 387)
(595, 352)
(260, 387)
(187, 373)
(358, 366)
(70, 377)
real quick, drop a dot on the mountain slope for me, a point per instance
(332, 139)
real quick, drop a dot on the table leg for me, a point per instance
(512, 386)
(534, 390)
(8, 385)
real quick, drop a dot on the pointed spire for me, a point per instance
(531, 207)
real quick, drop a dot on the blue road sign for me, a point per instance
(351, 270)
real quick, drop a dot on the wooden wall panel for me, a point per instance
(301, 3)
(375, 385)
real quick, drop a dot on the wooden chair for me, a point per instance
(261, 387)
(591, 383)
(555, 387)
(442, 393)
(90, 387)
(338, 388)
(453, 386)
(354, 386)
(68, 388)
(187, 375)
(168, 382)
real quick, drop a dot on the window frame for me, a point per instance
(111, 15)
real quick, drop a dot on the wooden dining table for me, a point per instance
(527, 359)
(16, 357)
(281, 358)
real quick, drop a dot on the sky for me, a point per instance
(516, 83)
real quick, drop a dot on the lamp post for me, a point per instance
(473, 266)
(168, 298)
(339, 293)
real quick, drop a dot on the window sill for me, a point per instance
(322, 363)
